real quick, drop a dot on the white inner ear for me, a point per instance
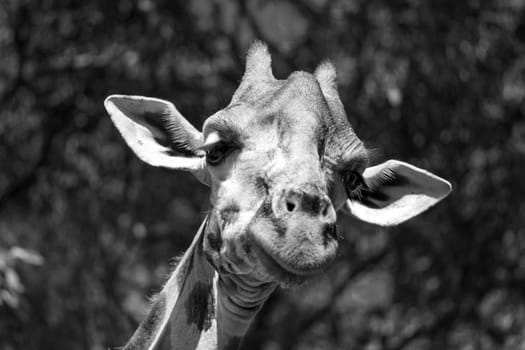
(419, 191)
(148, 141)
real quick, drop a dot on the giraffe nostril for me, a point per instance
(290, 206)
(331, 231)
(324, 211)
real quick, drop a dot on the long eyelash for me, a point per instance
(226, 149)
(360, 191)
(358, 194)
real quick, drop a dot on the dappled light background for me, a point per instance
(87, 231)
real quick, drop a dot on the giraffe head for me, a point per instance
(281, 159)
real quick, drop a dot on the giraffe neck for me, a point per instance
(199, 308)
(239, 298)
(236, 299)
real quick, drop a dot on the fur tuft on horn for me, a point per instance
(257, 74)
(258, 62)
(327, 77)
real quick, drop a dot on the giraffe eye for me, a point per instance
(354, 184)
(217, 153)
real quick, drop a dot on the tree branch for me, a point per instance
(362, 267)
(320, 314)
(443, 320)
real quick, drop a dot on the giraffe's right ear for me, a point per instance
(158, 133)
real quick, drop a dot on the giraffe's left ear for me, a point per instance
(158, 134)
(395, 192)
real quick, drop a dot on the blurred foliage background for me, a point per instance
(87, 231)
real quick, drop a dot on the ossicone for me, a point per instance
(258, 62)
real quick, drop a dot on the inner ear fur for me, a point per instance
(158, 134)
(397, 191)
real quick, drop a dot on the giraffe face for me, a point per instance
(274, 161)
(280, 159)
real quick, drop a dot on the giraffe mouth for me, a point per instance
(280, 271)
(289, 253)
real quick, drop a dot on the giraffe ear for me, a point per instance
(397, 191)
(158, 134)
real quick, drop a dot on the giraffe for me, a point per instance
(280, 160)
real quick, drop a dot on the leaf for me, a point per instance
(13, 281)
(9, 298)
(28, 256)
